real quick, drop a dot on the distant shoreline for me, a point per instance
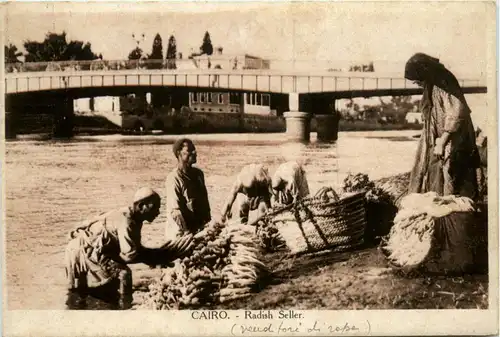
(199, 123)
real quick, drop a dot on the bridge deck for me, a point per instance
(359, 84)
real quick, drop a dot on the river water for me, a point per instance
(51, 185)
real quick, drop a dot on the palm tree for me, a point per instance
(11, 54)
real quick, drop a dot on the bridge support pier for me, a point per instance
(327, 119)
(298, 123)
(10, 125)
(63, 119)
(298, 126)
(327, 127)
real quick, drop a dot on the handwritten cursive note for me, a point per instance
(286, 328)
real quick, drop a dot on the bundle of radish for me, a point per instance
(269, 237)
(224, 265)
(395, 186)
(409, 240)
(428, 231)
(357, 182)
(244, 269)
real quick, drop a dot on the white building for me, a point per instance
(231, 62)
(97, 104)
(247, 102)
(414, 117)
(224, 102)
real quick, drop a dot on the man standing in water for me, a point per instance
(100, 249)
(187, 198)
(251, 191)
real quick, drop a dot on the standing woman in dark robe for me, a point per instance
(447, 155)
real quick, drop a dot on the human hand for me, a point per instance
(227, 215)
(220, 219)
(439, 148)
(152, 265)
(168, 245)
(170, 264)
(184, 245)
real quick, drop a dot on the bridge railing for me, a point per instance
(222, 73)
(212, 63)
(249, 80)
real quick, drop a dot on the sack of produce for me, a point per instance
(433, 234)
(224, 265)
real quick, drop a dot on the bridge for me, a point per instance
(297, 93)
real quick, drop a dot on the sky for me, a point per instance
(387, 33)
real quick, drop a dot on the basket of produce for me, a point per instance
(381, 198)
(435, 234)
(325, 221)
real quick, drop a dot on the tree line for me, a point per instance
(393, 111)
(56, 47)
(171, 54)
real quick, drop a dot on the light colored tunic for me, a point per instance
(457, 173)
(100, 248)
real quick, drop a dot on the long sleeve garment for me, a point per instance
(102, 246)
(187, 202)
(456, 174)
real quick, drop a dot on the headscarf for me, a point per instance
(422, 67)
(425, 68)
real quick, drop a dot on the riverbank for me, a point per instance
(190, 123)
(353, 280)
(65, 182)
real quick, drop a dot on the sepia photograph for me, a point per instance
(249, 168)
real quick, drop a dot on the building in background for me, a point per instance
(414, 118)
(218, 60)
(108, 107)
(225, 102)
(97, 104)
(235, 102)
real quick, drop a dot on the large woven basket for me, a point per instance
(322, 222)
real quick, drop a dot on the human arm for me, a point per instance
(85, 225)
(129, 239)
(441, 143)
(168, 252)
(454, 113)
(206, 203)
(289, 183)
(226, 210)
(267, 200)
(174, 200)
(304, 185)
